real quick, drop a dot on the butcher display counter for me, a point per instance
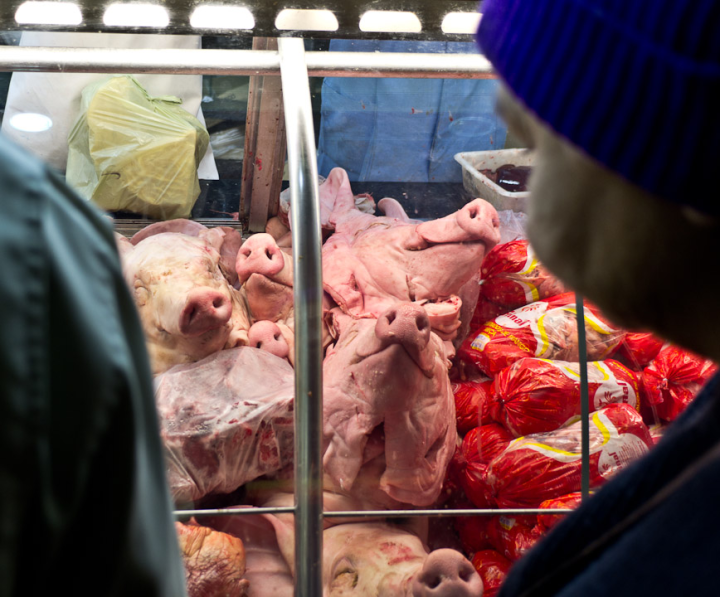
(390, 355)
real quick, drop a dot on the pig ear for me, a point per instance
(285, 535)
(336, 196)
(227, 241)
(392, 209)
(181, 226)
(124, 246)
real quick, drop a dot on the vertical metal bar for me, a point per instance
(306, 239)
(584, 398)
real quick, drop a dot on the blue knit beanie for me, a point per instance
(633, 83)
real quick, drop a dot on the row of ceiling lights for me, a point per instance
(237, 17)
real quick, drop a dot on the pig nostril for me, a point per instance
(276, 336)
(258, 344)
(218, 302)
(268, 254)
(434, 582)
(421, 322)
(473, 213)
(391, 317)
(465, 574)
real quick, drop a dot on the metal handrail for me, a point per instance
(241, 62)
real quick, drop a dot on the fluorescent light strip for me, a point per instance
(461, 22)
(295, 19)
(222, 17)
(48, 13)
(390, 21)
(136, 15)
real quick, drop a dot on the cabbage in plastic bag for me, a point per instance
(130, 151)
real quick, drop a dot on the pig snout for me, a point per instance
(205, 309)
(479, 219)
(266, 335)
(405, 324)
(447, 573)
(259, 255)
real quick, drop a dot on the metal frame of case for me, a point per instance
(294, 66)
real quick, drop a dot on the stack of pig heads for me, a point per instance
(372, 558)
(371, 262)
(265, 271)
(183, 279)
(388, 407)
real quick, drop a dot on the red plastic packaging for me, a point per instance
(472, 476)
(537, 395)
(639, 348)
(544, 329)
(512, 277)
(542, 466)
(472, 403)
(673, 379)
(512, 536)
(565, 502)
(493, 568)
(472, 531)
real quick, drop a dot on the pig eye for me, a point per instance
(344, 576)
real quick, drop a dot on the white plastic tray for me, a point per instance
(479, 185)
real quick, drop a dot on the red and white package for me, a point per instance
(472, 400)
(493, 568)
(565, 502)
(512, 536)
(639, 348)
(673, 379)
(545, 329)
(536, 395)
(511, 277)
(542, 466)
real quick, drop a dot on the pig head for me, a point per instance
(387, 393)
(371, 262)
(184, 293)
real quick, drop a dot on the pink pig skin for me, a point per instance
(371, 262)
(386, 390)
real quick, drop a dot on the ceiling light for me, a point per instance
(461, 22)
(48, 13)
(295, 19)
(136, 15)
(222, 17)
(390, 21)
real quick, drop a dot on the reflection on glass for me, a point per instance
(30, 122)
(306, 20)
(390, 21)
(136, 15)
(48, 13)
(222, 17)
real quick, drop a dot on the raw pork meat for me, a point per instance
(371, 262)
(387, 392)
(214, 561)
(225, 420)
(183, 289)
(372, 558)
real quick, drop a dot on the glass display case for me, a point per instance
(355, 148)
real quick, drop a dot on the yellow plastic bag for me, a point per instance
(129, 151)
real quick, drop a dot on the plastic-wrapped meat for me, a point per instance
(472, 403)
(225, 420)
(512, 536)
(564, 502)
(479, 447)
(512, 277)
(673, 379)
(541, 466)
(492, 567)
(639, 348)
(214, 562)
(536, 395)
(545, 329)
(473, 532)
